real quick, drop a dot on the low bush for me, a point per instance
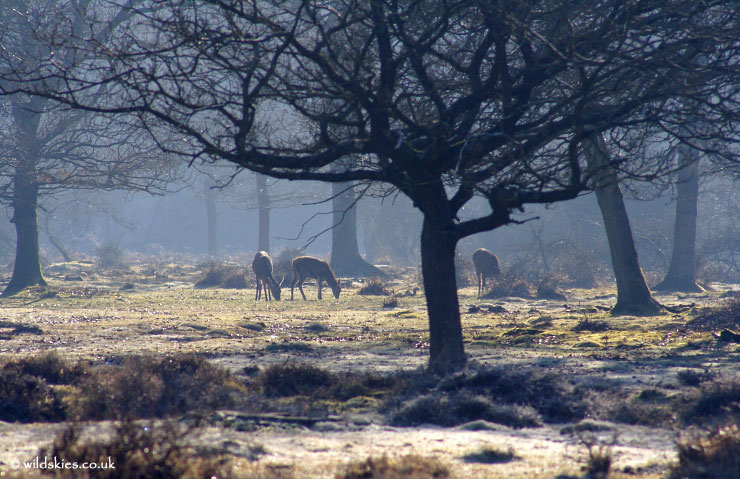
(221, 275)
(110, 255)
(375, 287)
(726, 316)
(147, 386)
(452, 409)
(411, 466)
(594, 326)
(713, 401)
(49, 366)
(28, 398)
(511, 284)
(154, 450)
(713, 455)
(515, 398)
(297, 379)
(490, 455)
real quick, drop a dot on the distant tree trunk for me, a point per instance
(681, 275)
(446, 351)
(345, 252)
(633, 294)
(57, 244)
(211, 219)
(263, 208)
(27, 268)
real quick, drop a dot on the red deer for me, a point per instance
(262, 267)
(310, 267)
(486, 266)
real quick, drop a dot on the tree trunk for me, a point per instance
(211, 219)
(27, 268)
(446, 352)
(345, 252)
(57, 244)
(263, 208)
(633, 294)
(681, 274)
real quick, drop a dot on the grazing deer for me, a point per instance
(486, 266)
(310, 267)
(262, 267)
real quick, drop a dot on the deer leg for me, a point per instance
(479, 284)
(257, 293)
(300, 288)
(318, 283)
(292, 285)
(267, 291)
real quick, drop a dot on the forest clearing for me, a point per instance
(285, 389)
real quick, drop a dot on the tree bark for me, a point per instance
(633, 294)
(263, 211)
(345, 252)
(446, 351)
(27, 268)
(681, 275)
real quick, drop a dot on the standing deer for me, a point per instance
(262, 267)
(310, 267)
(486, 266)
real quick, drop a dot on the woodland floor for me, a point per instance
(92, 316)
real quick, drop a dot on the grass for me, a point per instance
(104, 343)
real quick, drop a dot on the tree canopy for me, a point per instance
(444, 100)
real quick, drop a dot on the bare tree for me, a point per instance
(443, 100)
(681, 275)
(633, 294)
(44, 149)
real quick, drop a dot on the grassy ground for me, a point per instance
(580, 380)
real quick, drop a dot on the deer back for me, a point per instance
(310, 267)
(486, 262)
(262, 265)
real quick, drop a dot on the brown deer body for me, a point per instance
(262, 267)
(309, 267)
(486, 266)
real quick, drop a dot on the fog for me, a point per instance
(175, 224)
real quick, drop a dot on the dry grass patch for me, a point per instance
(490, 455)
(411, 466)
(714, 455)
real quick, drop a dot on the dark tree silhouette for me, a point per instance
(443, 100)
